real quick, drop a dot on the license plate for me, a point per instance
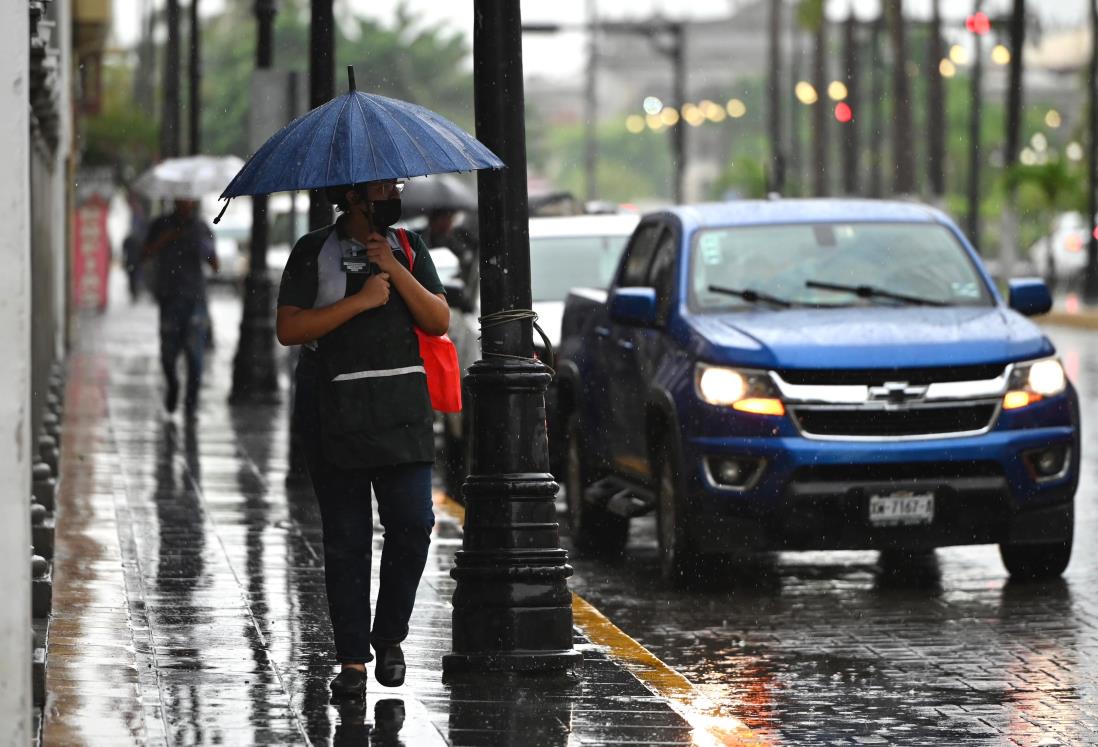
(901, 509)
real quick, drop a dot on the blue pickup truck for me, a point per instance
(815, 375)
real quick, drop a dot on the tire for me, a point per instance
(594, 530)
(680, 563)
(1036, 562)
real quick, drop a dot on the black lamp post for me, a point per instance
(254, 375)
(512, 606)
(169, 120)
(321, 88)
(194, 70)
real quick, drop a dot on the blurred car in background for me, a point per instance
(1066, 247)
(565, 253)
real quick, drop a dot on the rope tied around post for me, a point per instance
(507, 316)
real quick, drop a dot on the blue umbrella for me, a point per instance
(359, 137)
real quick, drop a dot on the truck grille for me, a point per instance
(880, 422)
(876, 376)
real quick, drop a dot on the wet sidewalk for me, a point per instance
(189, 603)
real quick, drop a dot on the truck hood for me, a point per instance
(908, 337)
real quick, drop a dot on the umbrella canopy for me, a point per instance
(359, 137)
(189, 178)
(438, 192)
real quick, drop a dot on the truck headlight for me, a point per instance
(746, 391)
(1032, 382)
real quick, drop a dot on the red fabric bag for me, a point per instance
(439, 355)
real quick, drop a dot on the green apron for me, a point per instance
(374, 406)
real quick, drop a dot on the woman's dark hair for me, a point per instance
(338, 195)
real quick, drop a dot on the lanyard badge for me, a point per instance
(356, 262)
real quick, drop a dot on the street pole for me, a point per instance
(1090, 279)
(776, 177)
(321, 88)
(169, 121)
(591, 103)
(796, 143)
(512, 610)
(254, 373)
(851, 141)
(935, 105)
(194, 111)
(974, 122)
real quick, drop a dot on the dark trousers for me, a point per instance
(184, 328)
(403, 494)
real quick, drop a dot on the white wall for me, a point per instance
(15, 416)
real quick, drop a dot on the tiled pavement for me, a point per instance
(189, 603)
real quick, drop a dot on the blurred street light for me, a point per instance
(669, 116)
(736, 108)
(652, 105)
(947, 68)
(1053, 119)
(1074, 152)
(806, 93)
(978, 23)
(1000, 55)
(634, 123)
(843, 113)
(837, 91)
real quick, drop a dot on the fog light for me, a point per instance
(1047, 463)
(733, 473)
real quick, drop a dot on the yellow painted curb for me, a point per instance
(711, 727)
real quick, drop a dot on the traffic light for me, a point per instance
(843, 112)
(978, 23)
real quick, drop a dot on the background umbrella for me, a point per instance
(359, 137)
(438, 192)
(189, 178)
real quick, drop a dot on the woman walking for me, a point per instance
(351, 295)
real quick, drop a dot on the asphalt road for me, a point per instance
(829, 648)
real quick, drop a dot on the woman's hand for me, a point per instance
(380, 253)
(374, 292)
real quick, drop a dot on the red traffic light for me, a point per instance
(843, 112)
(978, 23)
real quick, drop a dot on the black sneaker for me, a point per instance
(349, 683)
(389, 666)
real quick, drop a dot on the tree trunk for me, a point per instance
(776, 177)
(975, 156)
(851, 142)
(169, 121)
(903, 136)
(821, 176)
(876, 99)
(1008, 245)
(1090, 287)
(936, 106)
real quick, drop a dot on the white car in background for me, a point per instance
(1068, 244)
(566, 252)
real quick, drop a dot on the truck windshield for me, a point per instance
(808, 265)
(560, 263)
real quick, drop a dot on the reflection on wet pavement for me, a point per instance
(189, 593)
(834, 648)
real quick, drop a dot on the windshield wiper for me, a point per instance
(869, 291)
(752, 296)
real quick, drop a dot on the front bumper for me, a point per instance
(815, 494)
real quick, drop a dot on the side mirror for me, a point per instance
(635, 306)
(1030, 296)
(456, 296)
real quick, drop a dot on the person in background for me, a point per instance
(445, 230)
(180, 242)
(133, 245)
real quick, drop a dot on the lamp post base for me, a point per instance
(255, 380)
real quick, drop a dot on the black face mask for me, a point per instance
(384, 213)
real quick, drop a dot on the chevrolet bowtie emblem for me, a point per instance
(897, 392)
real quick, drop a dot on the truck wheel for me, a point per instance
(1036, 562)
(679, 561)
(594, 530)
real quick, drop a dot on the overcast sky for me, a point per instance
(562, 55)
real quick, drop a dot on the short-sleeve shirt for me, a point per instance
(179, 262)
(312, 279)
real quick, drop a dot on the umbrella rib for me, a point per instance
(331, 146)
(414, 142)
(362, 113)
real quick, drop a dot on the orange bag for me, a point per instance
(439, 355)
